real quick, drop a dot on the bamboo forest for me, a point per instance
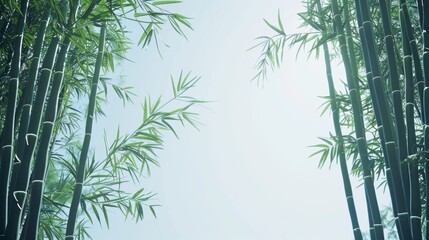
(152, 119)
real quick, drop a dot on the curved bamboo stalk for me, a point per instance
(8, 135)
(339, 135)
(80, 175)
(391, 156)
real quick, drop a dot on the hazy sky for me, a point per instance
(246, 174)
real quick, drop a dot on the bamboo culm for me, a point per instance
(391, 156)
(41, 161)
(22, 174)
(77, 193)
(359, 125)
(8, 134)
(338, 133)
(425, 43)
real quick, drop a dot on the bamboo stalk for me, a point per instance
(45, 140)
(80, 175)
(8, 135)
(337, 125)
(22, 174)
(359, 124)
(41, 161)
(24, 121)
(396, 98)
(391, 156)
(425, 43)
(415, 205)
(407, 27)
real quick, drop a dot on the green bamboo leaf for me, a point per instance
(279, 31)
(157, 3)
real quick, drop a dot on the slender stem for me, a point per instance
(400, 135)
(391, 156)
(41, 161)
(22, 174)
(8, 135)
(80, 176)
(359, 124)
(339, 135)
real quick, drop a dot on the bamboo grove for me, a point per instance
(381, 118)
(55, 56)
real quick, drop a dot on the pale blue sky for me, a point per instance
(246, 174)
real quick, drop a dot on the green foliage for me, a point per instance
(48, 165)
(379, 138)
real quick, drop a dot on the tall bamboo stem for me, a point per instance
(391, 156)
(339, 135)
(358, 123)
(8, 135)
(425, 37)
(80, 176)
(415, 205)
(41, 161)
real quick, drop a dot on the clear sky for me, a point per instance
(246, 174)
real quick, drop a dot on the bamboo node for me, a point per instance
(349, 197)
(403, 214)
(7, 146)
(38, 181)
(396, 91)
(29, 134)
(415, 217)
(48, 122)
(356, 229)
(368, 176)
(387, 36)
(378, 225)
(46, 69)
